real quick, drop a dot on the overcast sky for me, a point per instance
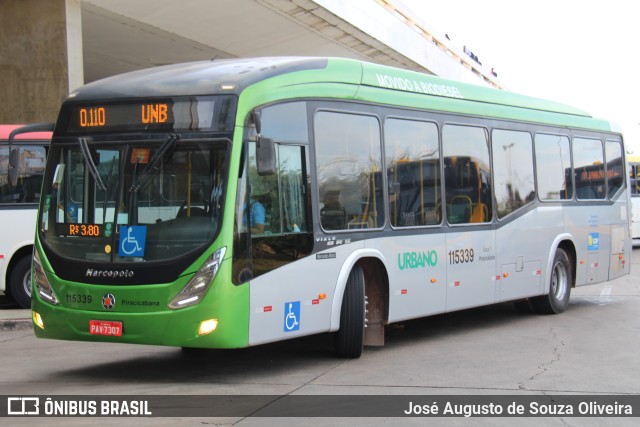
(584, 53)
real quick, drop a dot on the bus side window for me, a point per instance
(348, 156)
(30, 160)
(413, 172)
(615, 167)
(553, 164)
(588, 166)
(467, 174)
(512, 170)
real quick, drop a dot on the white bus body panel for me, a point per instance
(18, 231)
(286, 289)
(621, 239)
(426, 276)
(592, 241)
(603, 247)
(470, 284)
(524, 247)
(417, 270)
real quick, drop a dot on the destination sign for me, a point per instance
(156, 115)
(185, 113)
(97, 116)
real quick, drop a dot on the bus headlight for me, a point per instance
(41, 282)
(193, 291)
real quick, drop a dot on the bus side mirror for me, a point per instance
(13, 167)
(14, 153)
(265, 156)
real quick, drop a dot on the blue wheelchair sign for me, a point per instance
(291, 316)
(132, 241)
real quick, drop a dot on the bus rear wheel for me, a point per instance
(349, 339)
(557, 300)
(20, 282)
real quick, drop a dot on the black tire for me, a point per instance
(557, 300)
(349, 339)
(20, 282)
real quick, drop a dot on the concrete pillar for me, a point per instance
(40, 57)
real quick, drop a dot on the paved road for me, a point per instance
(590, 349)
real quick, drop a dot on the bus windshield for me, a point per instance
(134, 201)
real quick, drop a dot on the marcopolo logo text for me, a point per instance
(110, 274)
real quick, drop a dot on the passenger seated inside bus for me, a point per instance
(257, 215)
(333, 216)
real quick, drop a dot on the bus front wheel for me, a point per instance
(349, 339)
(557, 300)
(20, 282)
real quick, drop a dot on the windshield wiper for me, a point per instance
(88, 160)
(162, 150)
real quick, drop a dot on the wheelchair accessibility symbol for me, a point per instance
(132, 241)
(291, 316)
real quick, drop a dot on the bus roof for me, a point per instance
(5, 130)
(194, 78)
(366, 80)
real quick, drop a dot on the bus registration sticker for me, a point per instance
(106, 328)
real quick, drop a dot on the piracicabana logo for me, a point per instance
(108, 301)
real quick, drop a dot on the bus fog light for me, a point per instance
(37, 319)
(42, 283)
(207, 326)
(195, 289)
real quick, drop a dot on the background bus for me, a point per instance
(232, 203)
(21, 168)
(633, 162)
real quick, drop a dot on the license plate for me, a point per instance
(106, 328)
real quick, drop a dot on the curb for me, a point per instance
(15, 325)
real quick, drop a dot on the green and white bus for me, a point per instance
(232, 203)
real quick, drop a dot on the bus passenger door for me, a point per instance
(523, 246)
(471, 245)
(522, 235)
